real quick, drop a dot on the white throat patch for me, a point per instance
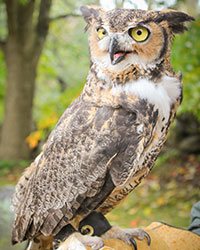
(162, 94)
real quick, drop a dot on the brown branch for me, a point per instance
(2, 44)
(25, 16)
(43, 19)
(64, 16)
(11, 9)
(19, 19)
(25, 29)
(122, 4)
(42, 27)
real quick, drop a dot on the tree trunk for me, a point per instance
(22, 51)
(21, 73)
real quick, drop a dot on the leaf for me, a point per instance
(34, 138)
(133, 210)
(147, 211)
(160, 201)
(134, 223)
(43, 124)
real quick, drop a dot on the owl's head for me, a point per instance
(121, 37)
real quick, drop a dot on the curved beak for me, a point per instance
(116, 55)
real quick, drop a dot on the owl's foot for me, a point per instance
(127, 235)
(77, 241)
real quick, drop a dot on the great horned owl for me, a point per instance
(108, 139)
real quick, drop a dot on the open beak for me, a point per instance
(116, 55)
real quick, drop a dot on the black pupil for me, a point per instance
(139, 32)
(103, 32)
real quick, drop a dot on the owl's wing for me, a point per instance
(91, 150)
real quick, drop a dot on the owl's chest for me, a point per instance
(165, 99)
(157, 102)
(143, 168)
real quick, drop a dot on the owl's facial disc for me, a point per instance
(116, 54)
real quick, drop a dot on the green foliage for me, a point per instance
(7, 166)
(23, 2)
(3, 26)
(186, 57)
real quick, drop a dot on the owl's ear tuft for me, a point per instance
(176, 20)
(89, 13)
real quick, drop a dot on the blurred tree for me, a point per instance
(27, 24)
(24, 27)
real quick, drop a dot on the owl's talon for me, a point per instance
(133, 242)
(128, 235)
(148, 238)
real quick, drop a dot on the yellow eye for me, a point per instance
(101, 32)
(139, 34)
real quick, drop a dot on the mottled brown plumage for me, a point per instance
(108, 139)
